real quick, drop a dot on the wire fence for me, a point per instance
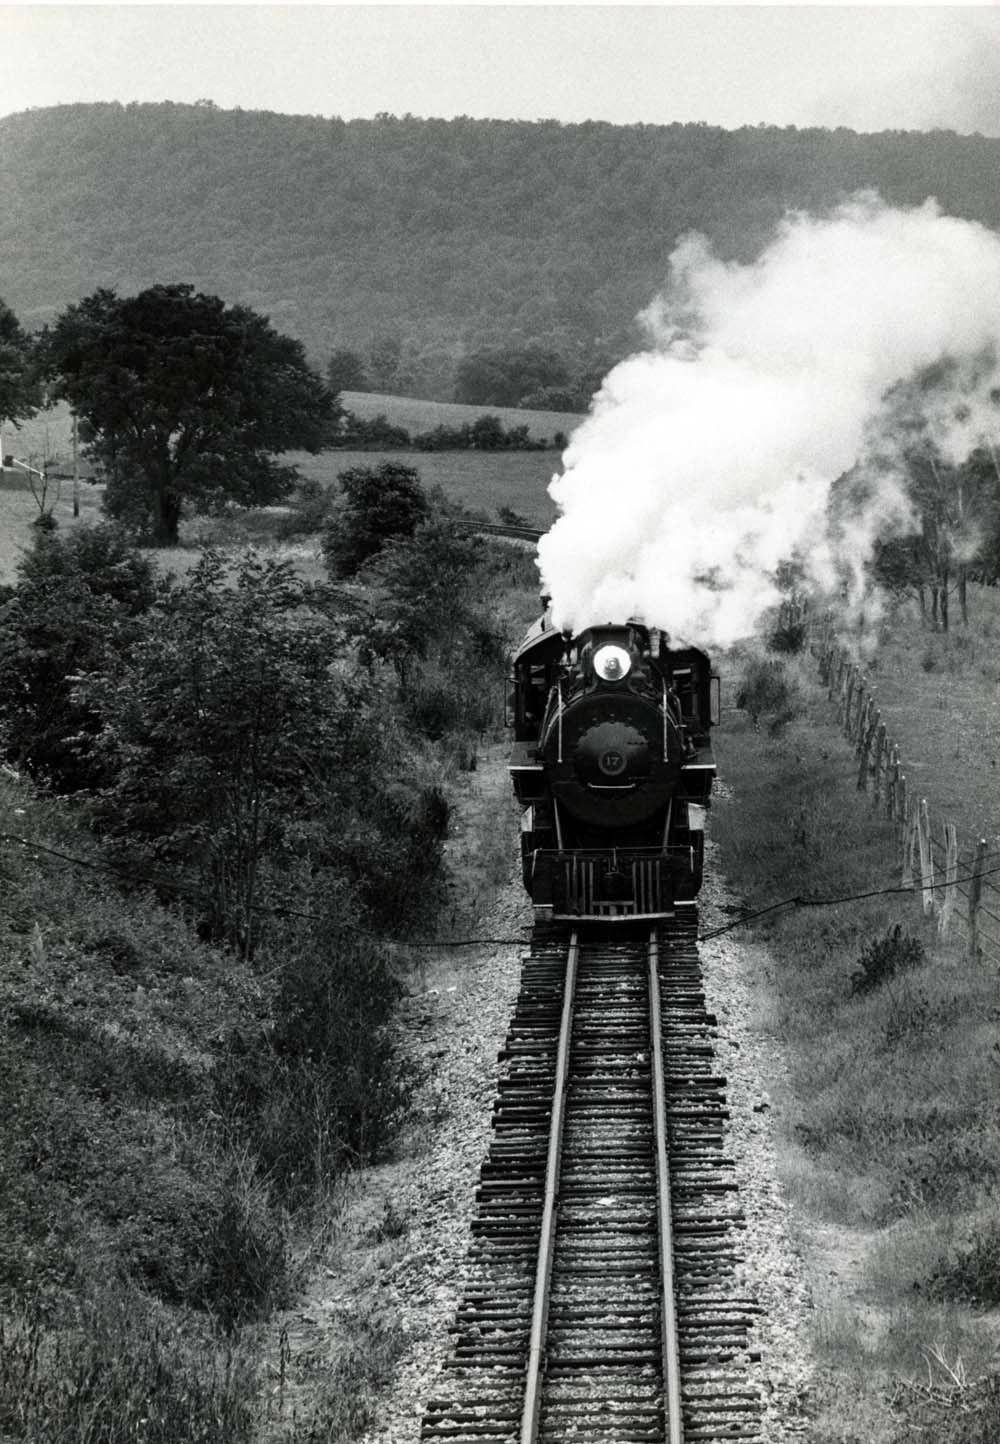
(953, 876)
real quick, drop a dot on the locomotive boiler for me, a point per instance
(612, 764)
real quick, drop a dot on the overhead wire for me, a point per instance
(796, 900)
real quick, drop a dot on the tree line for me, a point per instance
(184, 401)
(530, 377)
(953, 532)
(443, 236)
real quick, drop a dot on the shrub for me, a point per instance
(972, 1274)
(883, 958)
(487, 434)
(325, 1084)
(444, 438)
(225, 733)
(438, 702)
(788, 636)
(311, 507)
(509, 517)
(78, 609)
(355, 433)
(246, 1267)
(765, 691)
(381, 504)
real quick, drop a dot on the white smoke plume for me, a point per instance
(708, 459)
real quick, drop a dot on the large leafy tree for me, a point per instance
(20, 393)
(379, 503)
(186, 401)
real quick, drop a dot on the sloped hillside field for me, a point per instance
(440, 232)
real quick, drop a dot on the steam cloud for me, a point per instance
(708, 459)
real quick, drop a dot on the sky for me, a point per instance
(871, 67)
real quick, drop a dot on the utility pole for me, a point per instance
(76, 468)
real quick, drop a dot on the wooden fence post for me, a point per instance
(836, 675)
(865, 744)
(926, 858)
(892, 785)
(864, 718)
(950, 877)
(879, 754)
(857, 725)
(975, 897)
(902, 802)
(911, 826)
(848, 702)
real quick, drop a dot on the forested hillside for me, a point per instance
(442, 235)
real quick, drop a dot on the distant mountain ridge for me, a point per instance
(446, 234)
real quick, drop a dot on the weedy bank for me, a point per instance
(234, 794)
(891, 1122)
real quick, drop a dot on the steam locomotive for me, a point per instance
(613, 766)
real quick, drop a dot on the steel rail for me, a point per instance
(546, 1243)
(673, 1428)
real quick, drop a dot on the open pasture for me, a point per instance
(481, 480)
(18, 510)
(416, 415)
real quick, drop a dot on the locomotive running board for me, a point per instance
(544, 912)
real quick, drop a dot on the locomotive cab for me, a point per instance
(612, 763)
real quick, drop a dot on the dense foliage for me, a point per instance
(379, 503)
(20, 392)
(486, 433)
(440, 237)
(185, 401)
(78, 608)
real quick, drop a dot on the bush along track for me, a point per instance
(196, 987)
(891, 1121)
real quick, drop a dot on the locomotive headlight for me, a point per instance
(612, 663)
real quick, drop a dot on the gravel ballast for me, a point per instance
(453, 1025)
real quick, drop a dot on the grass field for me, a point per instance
(18, 510)
(482, 480)
(416, 415)
(890, 1133)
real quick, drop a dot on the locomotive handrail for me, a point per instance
(559, 717)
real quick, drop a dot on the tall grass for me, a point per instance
(119, 1372)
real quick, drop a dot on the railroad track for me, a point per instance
(518, 533)
(601, 1305)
